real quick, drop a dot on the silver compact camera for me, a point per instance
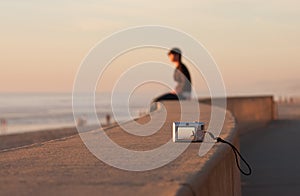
(188, 131)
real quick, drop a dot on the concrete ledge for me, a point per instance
(213, 174)
(65, 167)
(250, 112)
(29, 138)
(218, 174)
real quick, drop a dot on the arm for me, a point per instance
(180, 78)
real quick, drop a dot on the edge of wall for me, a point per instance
(250, 112)
(219, 175)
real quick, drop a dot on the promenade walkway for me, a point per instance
(273, 153)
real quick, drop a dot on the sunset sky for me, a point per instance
(255, 43)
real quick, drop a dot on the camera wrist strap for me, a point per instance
(236, 153)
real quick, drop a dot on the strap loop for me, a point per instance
(237, 153)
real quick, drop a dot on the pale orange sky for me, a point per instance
(255, 43)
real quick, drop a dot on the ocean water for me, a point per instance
(40, 111)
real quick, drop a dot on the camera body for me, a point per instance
(188, 131)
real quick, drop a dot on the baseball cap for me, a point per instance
(175, 51)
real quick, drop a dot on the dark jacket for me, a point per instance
(183, 79)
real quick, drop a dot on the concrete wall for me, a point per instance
(220, 176)
(215, 173)
(250, 112)
(212, 174)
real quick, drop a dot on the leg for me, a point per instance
(167, 96)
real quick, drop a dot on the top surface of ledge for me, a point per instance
(66, 166)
